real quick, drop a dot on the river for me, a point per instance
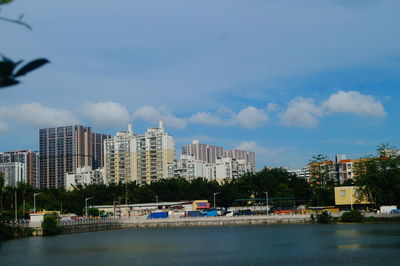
(336, 244)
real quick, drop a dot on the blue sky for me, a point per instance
(286, 79)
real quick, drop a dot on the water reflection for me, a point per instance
(372, 246)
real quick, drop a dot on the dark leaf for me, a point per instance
(7, 67)
(31, 66)
(8, 82)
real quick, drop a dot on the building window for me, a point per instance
(342, 193)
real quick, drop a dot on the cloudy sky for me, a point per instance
(287, 79)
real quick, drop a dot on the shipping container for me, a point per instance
(158, 215)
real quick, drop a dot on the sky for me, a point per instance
(286, 79)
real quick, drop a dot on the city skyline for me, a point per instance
(322, 80)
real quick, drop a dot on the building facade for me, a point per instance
(203, 152)
(64, 149)
(14, 173)
(303, 173)
(84, 175)
(141, 158)
(29, 158)
(187, 167)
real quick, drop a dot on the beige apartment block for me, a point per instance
(141, 158)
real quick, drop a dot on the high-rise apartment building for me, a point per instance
(203, 152)
(141, 158)
(14, 173)
(211, 154)
(64, 149)
(29, 159)
(248, 156)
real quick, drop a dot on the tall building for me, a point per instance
(248, 156)
(29, 158)
(203, 152)
(141, 158)
(211, 154)
(64, 149)
(14, 173)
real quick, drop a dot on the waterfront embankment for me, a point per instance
(143, 222)
(113, 223)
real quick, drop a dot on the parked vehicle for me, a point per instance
(211, 213)
(195, 214)
(243, 212)
(158, 215)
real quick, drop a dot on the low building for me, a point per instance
(303, 173)
(142, 209)
(84, 176)
(187, 167)
(347, 197)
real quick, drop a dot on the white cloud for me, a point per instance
(38, 115)
(251, 117)
(272, 107)
(355, 103)
(107, 113)
(301, 112)
(152, 114)
(207, 119)
(248, 146)
(264, 155)
(3, 127)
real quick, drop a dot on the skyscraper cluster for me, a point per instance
(72, 155)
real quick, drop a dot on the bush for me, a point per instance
(354, 216)
(50, 225)
(324, 218)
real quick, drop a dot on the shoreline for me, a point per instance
(186, 222)
(131, 222)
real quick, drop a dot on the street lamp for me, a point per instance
(216, 193)
(157, 201)
(34, 201)
(351, 198)
(266, 201)
(86, 200)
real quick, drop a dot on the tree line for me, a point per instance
(277, 182)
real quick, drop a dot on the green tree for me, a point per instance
(353, 216)
(379, 180)
(51, 225)
(323, 180)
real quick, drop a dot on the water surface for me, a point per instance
(338, 244)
